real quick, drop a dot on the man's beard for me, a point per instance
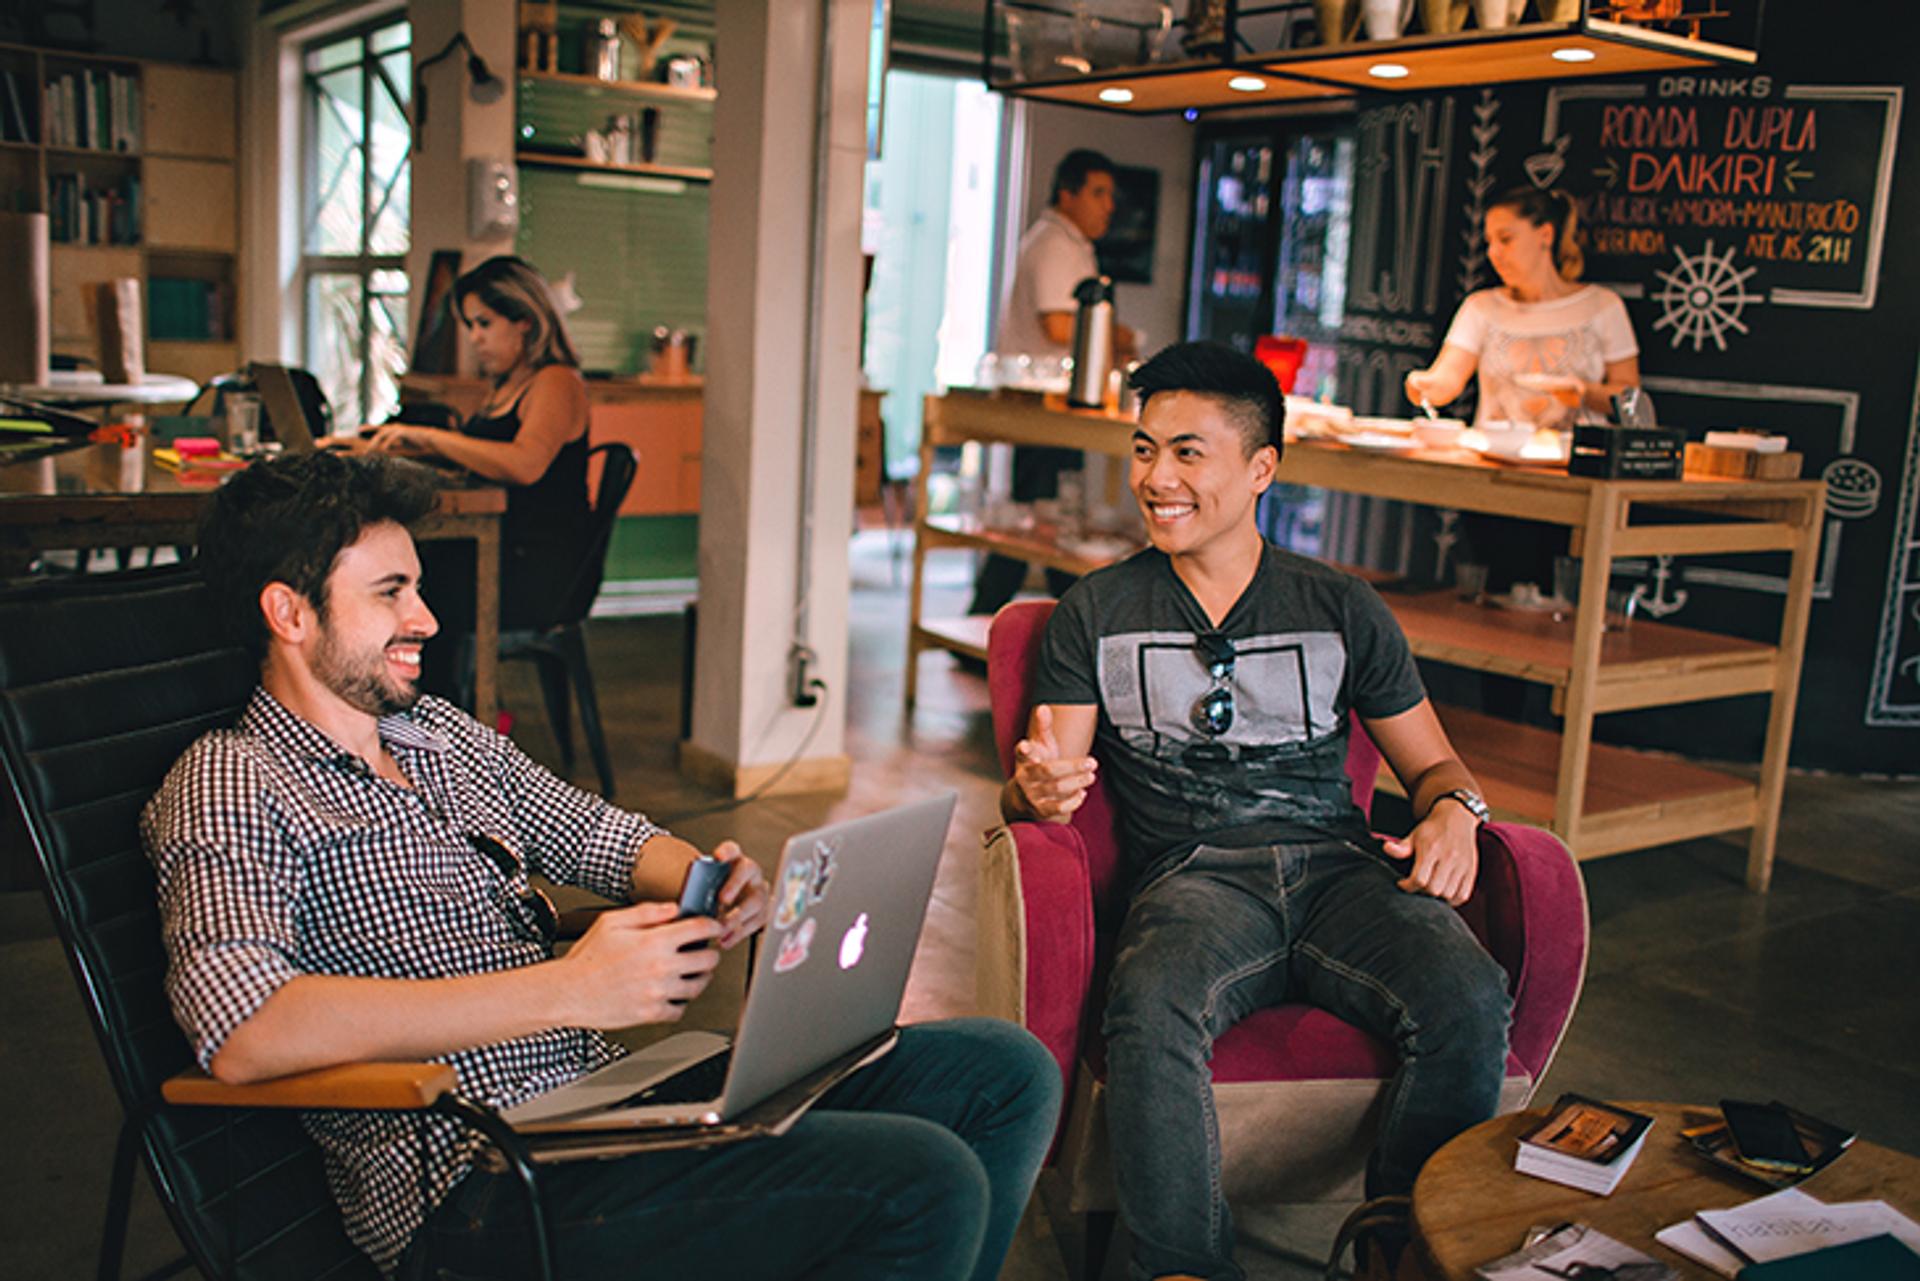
(363, 683)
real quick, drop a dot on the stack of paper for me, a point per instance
(1584, 1144)
(1781, 1226)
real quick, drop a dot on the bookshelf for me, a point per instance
(134, 162)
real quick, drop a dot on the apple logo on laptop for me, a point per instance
(853, 943)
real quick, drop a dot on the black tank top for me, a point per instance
(544, 533)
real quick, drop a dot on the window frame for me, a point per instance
(363, 265)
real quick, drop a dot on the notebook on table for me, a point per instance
(848, 903)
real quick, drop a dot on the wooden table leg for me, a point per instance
(486, 622)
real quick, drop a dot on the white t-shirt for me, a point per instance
(1055, 255)
(1580, 334)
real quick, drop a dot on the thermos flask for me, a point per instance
(1092, 342)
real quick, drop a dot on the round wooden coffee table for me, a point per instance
(1470, 1205)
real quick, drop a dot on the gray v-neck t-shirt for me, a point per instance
(1311, 643)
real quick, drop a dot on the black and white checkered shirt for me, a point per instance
(280, 854)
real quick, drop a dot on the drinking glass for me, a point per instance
(243, 423)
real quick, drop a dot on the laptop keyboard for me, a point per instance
(695, 1083)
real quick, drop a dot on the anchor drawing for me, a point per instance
(1657, 602)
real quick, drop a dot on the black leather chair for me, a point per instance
(559, 650)
(104, 681)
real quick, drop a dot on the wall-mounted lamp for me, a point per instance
(484, 86)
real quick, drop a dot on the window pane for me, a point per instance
(390, 141)
(333, 343)
(387, 39)
(329, 57)
(337, 217)
(387, 348)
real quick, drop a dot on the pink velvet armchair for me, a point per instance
(1296, 1089)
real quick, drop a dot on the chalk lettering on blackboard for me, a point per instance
(1795, 179)
(1485, 128)
(1862, 299)
(1703, 297)
(1400, 180)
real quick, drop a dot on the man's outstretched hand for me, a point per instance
(1052, 786)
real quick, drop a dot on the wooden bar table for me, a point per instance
(99, 496)
(1597, 798)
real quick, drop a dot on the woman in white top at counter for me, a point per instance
(1548, 350)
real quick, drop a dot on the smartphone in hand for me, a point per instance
(700, 896)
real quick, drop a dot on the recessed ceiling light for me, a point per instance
(1388, 71)
(1247, 84)
(1116, 95)
(1574, 54)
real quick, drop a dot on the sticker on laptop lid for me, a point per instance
(795, 882)
(794, 947)
(824, 863)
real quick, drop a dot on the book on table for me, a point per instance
(1584, 1143)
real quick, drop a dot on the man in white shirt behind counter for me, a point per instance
(1036, 320)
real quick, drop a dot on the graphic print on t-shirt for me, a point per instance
(1284, 687)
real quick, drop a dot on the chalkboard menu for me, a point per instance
(1713, 193)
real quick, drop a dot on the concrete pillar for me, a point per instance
(761, 307)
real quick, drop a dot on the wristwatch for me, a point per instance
(1475, 805)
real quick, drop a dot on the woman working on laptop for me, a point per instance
(530, 435)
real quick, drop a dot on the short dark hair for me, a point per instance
(1074, 169)
(1245, 388)
(287, 520)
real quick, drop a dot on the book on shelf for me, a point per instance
(1780, 1226)
(1823, 1141)
(1584, 1143)
(1575, 1250)
(14, 125)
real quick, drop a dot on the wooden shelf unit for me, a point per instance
(1600, 800)
(185, 163)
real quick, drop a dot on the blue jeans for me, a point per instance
(918, 1166)
(1221, 933)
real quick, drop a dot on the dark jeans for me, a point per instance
(1223, 932)
(1036, 474)
(918, 1166)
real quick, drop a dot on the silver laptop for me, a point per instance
(285, 414)
(848, 902)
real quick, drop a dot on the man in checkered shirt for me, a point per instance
(343, 877)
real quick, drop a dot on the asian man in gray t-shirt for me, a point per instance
(1215, 674)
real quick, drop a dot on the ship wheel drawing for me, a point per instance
(1702, 298)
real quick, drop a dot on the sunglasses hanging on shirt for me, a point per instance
(533, 911)
(1212, 712)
